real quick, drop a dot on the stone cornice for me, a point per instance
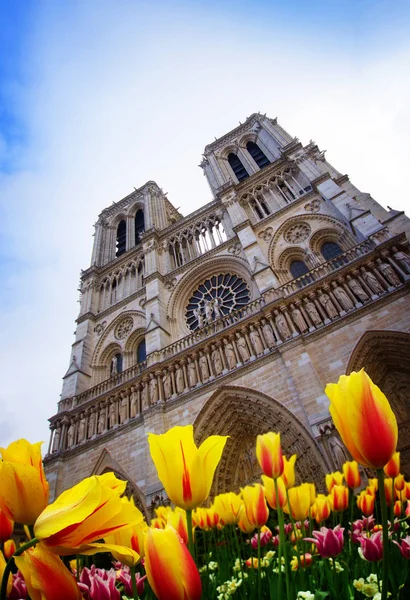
(102, 270)
(234, 133)
(111, 309)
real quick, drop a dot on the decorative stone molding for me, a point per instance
(296, 234)
(123, 328)
(313, 206)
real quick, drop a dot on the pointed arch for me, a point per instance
(242, 414)
(105, 464)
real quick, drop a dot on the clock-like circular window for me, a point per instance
(215, 298)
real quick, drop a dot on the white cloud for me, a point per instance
(116, 97)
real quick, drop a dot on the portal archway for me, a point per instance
(385, 355)
(242, 414)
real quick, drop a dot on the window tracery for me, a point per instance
(196, 240)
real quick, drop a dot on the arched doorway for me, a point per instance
(242, 414)
(385, 355)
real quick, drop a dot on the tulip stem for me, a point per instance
(134, 583)
(9, 566)
(259, 563)
(190, 533)
(282, 541)
(383, 505)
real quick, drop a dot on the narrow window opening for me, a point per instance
(121, 238)
(258, 155)
(237, 167)
(139, 226)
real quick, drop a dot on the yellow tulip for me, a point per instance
(299, 501)
(269, 454)
(131, 537)
(46, 576)
(2, 567)
(177, 520)
(333, 479)
(364, 419)
(322, 508)
(227, 506)
(270, 491)
(255, 504)
(171, 570)
(185, 471)
(9, 548)
(89, 511)
(23, 485)
(288, 474)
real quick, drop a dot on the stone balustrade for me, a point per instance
(232, 342)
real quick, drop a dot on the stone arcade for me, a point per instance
(234, 317)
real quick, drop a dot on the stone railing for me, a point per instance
(225, 347)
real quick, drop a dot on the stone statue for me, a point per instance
(101, 421)
(230, 355)
(123, 407)
(242, 347)
(282, 325)
(217, 310)
(403, 259)
(342, 297)
(339, 453)
(153, 389)
(197, 312)
(81, 429)
(313, 313)
(298, 319)
(208, 311)
(113, 370)
(268, 333)
(388, 272)
(167, 384)
(203, 367)
(91, 425)
(192, 377)
(217, 361)
(256, 340)
(144, 395)
(328, 305)
(357, 289)
(56, 440)
(133, 402)
(179, 379)
(70, 435)
(371, 281)
(112, 413)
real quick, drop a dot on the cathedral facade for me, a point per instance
(234, 317)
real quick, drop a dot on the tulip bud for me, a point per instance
(397, 509)
(332, 479)
(352, 475)
(392, 469)
(270, 492)
(269, 454)
(9, 548)
(340, 498)
(255, 504)
(389, 490)
(288, 474)
(365, 502)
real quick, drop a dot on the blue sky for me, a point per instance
(99, 96)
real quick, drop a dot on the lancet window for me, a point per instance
(196, 240)
(299, 269)
(257, 154)
(121, 238)
(139, 226)
(237, 167)
(260, 207)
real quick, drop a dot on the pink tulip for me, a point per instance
(372, 547)
(329, 542)
(19, 589)
(99, 584)
(266, 537)
(404, 547)
(124, 576)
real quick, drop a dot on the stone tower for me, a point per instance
(234, 317)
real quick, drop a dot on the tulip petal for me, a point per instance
(23, 495)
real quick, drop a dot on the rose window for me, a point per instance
(297, 233)
(215, 298)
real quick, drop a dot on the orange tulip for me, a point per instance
(392, 469)
(364, 419)
(352, 475)
(269, 454)
(270, 492)
(288, 474)
(171, 571)
(9, 548)
(340, 498)
(46, 576)
(332, 479)
(6, 527)
(255, 504)
(365, 503)
(23, 485)
(322, 508)
(185, 471)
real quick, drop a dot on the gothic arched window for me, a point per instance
(237, 167)
(141, 352)
(139, 226)
(299, 269)
(330, 250)
(258, 155)
(121, 238)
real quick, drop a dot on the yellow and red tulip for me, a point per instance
(399, 483)
(362, 414)
(227, 506)
(389, 490)
(300, 501)
(9, 548)
(6, 527)
(2, 568)
(340, 498)
(46, 576)
(185, 471)
(269, 454)
(332, 479)
(170, 568)
(392, 469)
(322, 508)
(87, 512)
(352, 475)
(130, 537)
(270, 492)
(23, 485)
(365, 502)
(255, 504)
(177, 520)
